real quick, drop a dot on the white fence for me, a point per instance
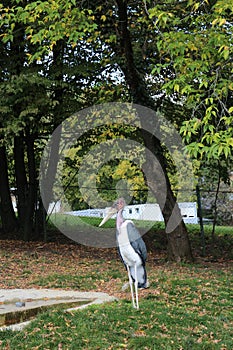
(150, 212)
(98, 213)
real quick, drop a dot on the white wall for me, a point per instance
(150, 212)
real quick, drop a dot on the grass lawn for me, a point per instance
(188, 306)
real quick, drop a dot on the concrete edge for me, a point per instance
(19, 294)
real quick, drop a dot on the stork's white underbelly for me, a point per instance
(128, 254)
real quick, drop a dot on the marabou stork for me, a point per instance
(131, 247)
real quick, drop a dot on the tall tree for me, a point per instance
(34, 91)
(178, 241)
(195, 47)
(119, 38)
(8, 217)
(166, 60)
(198, 55)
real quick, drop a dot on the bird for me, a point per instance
(131, 248)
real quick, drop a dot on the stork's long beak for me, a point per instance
(110, 213)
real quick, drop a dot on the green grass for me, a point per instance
(219, 230)
(187, 308)
(73, 221)
(221, 246)
(77, 281)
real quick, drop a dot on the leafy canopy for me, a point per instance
(195, 49)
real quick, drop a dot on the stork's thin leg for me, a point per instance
(131, 286)
(136, 286)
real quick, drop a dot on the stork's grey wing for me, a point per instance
(136, 241)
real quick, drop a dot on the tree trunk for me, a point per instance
(26, 182)
(49, 168)
(21, 181)
(8, 218)
(32, 189)
(178, 240)
(215, 206)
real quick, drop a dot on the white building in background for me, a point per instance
(54, 207)
(14, 203)
(189, 212)
(97, 213)
(150, 212)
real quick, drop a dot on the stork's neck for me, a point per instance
(120, 219)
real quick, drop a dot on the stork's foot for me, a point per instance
(140, 286)
(125, 286)
(144, 285)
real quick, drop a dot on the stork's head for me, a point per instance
(117, 206)
(120, 204)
